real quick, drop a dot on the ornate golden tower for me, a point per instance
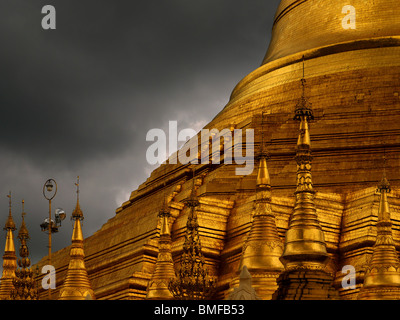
(164, 271)
(77, 285)
(263, 247)
(305, 255)
(354, 84)
(382, 275)
(9, 258)
(24, 283)
(193, 281)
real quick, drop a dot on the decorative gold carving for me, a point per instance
(193, 281)
(24, 283)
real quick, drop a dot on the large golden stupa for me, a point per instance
(347, 54)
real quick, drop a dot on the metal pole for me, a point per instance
(50, 226)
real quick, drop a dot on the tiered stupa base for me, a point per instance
(305, 284)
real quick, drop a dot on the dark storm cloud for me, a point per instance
(80, 99)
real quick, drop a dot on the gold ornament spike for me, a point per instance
(24, 283)
(164, 271)
(193, 281)
(304, 244)
(9, 258)
(263, 178)
(77, 213)
(77, 284)
(305, 255)
(10, 225)
(263, 247)
(382, 274)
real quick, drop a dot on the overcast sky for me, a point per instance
(80, 99)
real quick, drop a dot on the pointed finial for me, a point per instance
(192, 201)
(263, 179)
(77, 187)
(384, 184)
(262, 134)
(9, 201)
(10, 225)
(303, 108)
(262, 153)
(164, 213)
(23, 233)
(77, 213)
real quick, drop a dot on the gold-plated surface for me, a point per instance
(308, 24)
(353, 81)
(24, 284)
(9, 258)
(77, 284)
(382, 275)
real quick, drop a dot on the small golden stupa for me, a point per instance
(77, 284)
(164, 271)
(382, 277)
(9, 258)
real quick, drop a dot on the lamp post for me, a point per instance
(49, 193)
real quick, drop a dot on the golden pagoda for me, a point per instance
(164, 271)
(263, 247)
(382, 275)
(305, 255)
(24, 283)
(77, 284)
(9, 258)
(353, 81)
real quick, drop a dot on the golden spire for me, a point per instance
(263, 247)
(77, 284)
(10, 225)
(193, 282)
(77, 213)
(9, 258)
(304, 244)
(382, 274)
(164, 271)
(305, 255)
(24, 283)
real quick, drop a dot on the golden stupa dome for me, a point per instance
(317, 30)
(352, 81)
(312, 24)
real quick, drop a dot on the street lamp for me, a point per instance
(49, 192)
